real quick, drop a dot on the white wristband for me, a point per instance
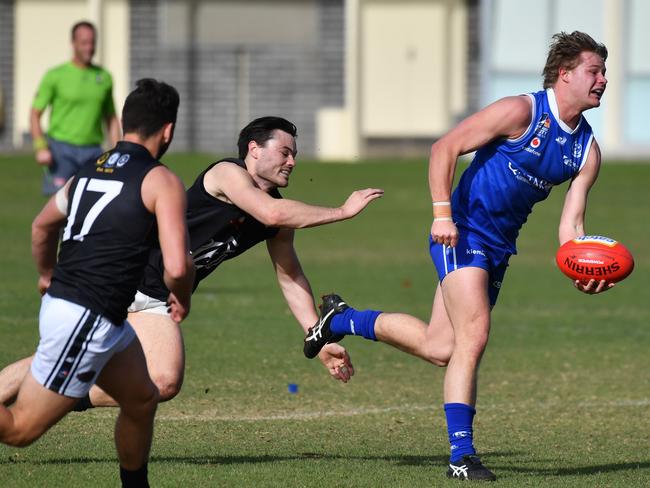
(443, 219)
(439, 204)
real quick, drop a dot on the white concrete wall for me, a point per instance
(405, 73)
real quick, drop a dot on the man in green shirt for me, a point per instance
(81, 98)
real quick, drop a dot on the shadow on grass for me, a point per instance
(573, 470)
(405, 460)
(399, 460)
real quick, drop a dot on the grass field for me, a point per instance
(564, 391)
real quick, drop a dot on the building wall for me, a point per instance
(619, 123)
(6, 74)
(225, 83)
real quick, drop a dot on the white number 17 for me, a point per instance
(110, 190)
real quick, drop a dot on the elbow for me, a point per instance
(437, 147)
(180, 270)
(273, 217)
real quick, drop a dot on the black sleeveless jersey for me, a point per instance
(108, 235)
(218, 231)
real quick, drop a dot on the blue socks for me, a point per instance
(459, 428)
(355, 322)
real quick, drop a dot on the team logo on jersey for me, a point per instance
(561, 140)
(101, 159)
(577, 149)
(124, 158)
(213, 252)
(112, 160)
(535, 142)
(543, 126)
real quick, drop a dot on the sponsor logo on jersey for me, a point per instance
(535, 142)
(474, 252)
(532, 151)
(533, 181)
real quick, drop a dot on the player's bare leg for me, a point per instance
(162, 342)
(432, 342)
(36, 409)
(125, 378)
(10, 379)
(469, 310)
(467, 304)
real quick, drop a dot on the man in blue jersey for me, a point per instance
(524, 146)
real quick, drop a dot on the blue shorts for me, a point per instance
(471, 252)
(66, 161)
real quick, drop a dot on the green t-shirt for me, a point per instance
(80, 98)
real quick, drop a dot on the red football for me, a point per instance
(594, 257)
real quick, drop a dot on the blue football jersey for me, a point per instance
(507, 177)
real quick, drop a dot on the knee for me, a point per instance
(21, 437)
(438, 353)
(168, 385)
(144, 406)
(473, 345)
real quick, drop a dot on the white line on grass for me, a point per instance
(210, 416)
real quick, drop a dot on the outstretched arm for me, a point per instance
(298, 294)
(234, 184)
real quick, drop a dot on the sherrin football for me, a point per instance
(595, 257)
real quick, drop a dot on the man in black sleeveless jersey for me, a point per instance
(113, 206)
(233, 205)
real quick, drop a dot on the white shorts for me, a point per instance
(75, 345)
(145, 303)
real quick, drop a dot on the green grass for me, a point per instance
(564, 391)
